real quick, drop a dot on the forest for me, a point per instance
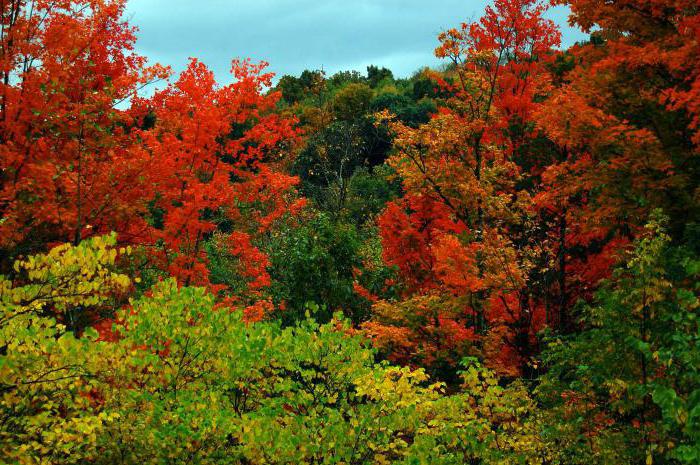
(494, 261)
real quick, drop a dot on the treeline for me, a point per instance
(492, 262)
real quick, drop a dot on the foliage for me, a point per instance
(164, 174)
(461, 228)
(46, 410)
(626, 388)
(513, 240)
(352, 101)
(314, 263)
(182, 379)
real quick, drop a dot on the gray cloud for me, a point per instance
(293, 35)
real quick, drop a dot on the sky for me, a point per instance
(293, 35)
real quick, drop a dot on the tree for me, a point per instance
(179, 378)
(164, 174)
(621, 146)
(466, 164)
(69, 168)
(653, 39)
(625, 388)
(376, 75)
(404, 108)
(214, 148)
(352, 102)
(315, 263)
(46, 409)
(328, 162)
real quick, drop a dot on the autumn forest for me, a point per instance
(493, 261)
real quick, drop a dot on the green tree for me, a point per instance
(212, 389)
(627, 388)
(328, 162)
(314, 263)
(375, 75)
(181, 379)
(352, 101)
(410, 112)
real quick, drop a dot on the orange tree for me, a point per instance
(165, 173)
(466, 204)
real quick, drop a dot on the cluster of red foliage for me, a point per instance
(162, 173)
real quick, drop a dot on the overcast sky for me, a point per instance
(293, 35)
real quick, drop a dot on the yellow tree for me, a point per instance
(47, 414)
